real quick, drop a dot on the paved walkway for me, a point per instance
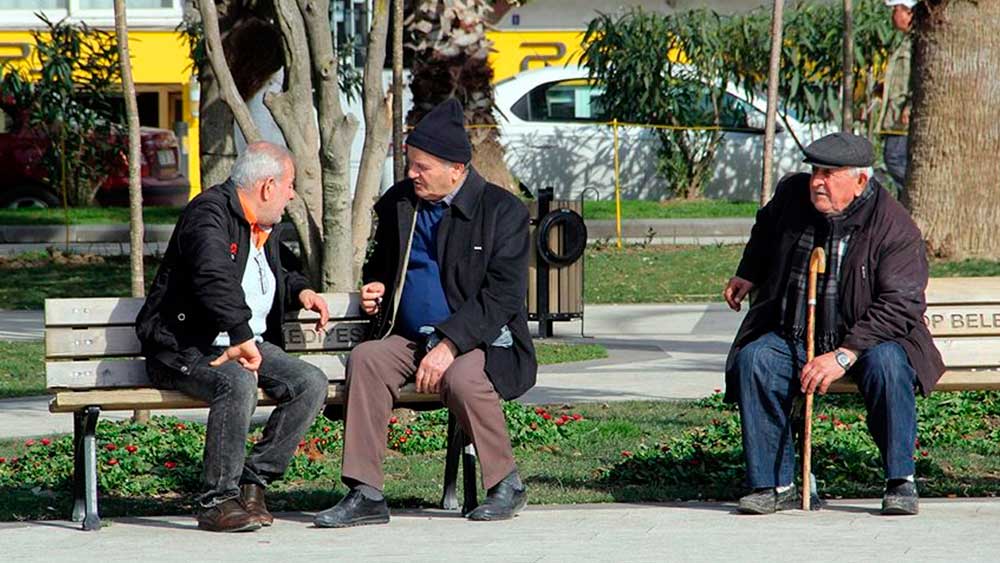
(655, 352)
(848, 530)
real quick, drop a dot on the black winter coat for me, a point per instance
(882, 288)
(483, 245)
(197, 291)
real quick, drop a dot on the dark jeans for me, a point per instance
(231, 391)
(894, 155)
(769, 370)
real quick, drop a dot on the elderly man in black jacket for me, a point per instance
(446, 281)
(869, 319)
(212, 328)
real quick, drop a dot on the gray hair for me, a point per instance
(868, 171)
(260, 161)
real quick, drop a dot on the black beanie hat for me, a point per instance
(442, 133)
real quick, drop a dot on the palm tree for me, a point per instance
(447, 39)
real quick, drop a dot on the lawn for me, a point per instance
(616, 452)
(670, 209)
(86, 216)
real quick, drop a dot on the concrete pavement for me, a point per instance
(847, 530)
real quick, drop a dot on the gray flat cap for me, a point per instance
(840, 150)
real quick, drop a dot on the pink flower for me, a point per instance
(131, 449)
(170, 464)
(29, 443)
(46, 441)
(111, 447)
(112, 461)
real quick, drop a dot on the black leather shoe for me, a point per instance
(900, 498)
(502, 502)
(353, 510)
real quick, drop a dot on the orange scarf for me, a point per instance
(258, 234)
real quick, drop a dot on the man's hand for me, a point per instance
(735, 291)
(822, 371)
(246, 353)
(313, 301)
(432, 367)
(371, 297)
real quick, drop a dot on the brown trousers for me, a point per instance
(378, 368)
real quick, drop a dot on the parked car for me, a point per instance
(22, 175)
(555, 133)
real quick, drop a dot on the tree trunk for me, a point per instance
(134, 158)
(954, 133)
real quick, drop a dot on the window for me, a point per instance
(33, 4)
(568, 100)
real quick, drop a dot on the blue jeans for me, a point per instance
(299, 389)
(769, 369)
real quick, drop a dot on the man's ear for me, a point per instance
(267, 189)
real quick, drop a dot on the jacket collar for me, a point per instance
(467, 199)
(233, 199)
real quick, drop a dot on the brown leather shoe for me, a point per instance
(253, 501)
(228, 516)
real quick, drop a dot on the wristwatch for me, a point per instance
(842, 359)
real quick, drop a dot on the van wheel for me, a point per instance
(28, 197)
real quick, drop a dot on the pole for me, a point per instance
(618, 188)
(771, 118)
(847, 95)
(398, 169)
(134, 159)
(817, 265)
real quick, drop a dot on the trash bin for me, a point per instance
(555, 275)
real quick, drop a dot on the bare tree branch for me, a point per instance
(378, 130)
(227, 86)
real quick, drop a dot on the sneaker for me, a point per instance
(900, 498)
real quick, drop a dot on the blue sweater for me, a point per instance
(423, 302)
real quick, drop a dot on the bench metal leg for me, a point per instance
(79, 506)
(88, 459)
(456, 439)
(469, 475)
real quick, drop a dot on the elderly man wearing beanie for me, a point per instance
(446, 283)
(869, 323)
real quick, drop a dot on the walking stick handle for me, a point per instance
(817, 265)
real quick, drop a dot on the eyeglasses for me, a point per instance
(261, 261)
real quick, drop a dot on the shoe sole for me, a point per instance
(253, 526)
(354, 523)
(517, 508)
(899, 511)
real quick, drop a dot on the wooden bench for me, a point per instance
(964, 317)
(93, 365)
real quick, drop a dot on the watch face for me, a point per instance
(843, 359)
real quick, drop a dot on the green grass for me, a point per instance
(670, 209)
(659, 274)
(86, 216)
(559, 353)
(27, 280)
(22, 369)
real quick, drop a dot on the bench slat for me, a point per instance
(102, 311)
(963, 320)
(148, 398)
(109, 374)
(118, 341)
(941, 291)
(952, 380)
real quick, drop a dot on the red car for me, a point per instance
(22, 175)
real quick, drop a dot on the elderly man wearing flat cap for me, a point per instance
(446, 282)
(869, 320)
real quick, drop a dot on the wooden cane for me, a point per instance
(817, 265)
